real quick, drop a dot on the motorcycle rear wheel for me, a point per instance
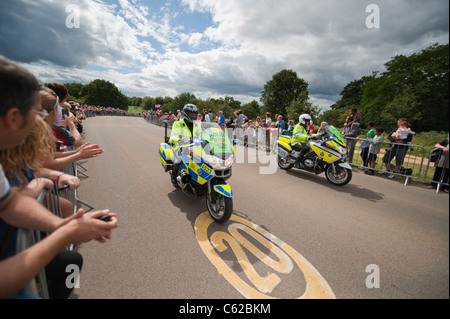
(342, 176)
(284, 164)
(220, 208)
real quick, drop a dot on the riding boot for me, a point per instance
(298, 162)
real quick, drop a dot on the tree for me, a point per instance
(252, 109)
(134, 101)
(284, 88)
(105, 93)
(148, 103)
(180, 101)
(417, 85)
(74, 89)
(302, 105)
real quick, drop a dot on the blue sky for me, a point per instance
(216, 48)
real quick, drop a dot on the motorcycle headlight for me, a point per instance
(342, 150)
(216, 162)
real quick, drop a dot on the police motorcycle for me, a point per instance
(202, 167)
(327, 153)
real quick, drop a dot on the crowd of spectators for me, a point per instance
(254, 131)
(37, 138)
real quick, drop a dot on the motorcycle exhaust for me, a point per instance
(183, 181)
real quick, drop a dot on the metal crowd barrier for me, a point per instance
(72, 195)
(440, 172)
(29, 237)
(415, 163)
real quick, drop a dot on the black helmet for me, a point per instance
(190, 112)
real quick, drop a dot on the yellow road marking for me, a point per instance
(316, 285)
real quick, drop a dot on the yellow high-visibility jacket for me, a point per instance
(301, 135)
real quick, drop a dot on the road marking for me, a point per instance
(316, 286)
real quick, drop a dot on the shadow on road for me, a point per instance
(354, 190)
(189, 206)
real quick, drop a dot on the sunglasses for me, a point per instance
(42, 113)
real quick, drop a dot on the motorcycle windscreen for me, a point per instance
(331, 129)
(218, 142)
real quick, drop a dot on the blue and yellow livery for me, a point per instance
(201, 168)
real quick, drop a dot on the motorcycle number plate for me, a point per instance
(206, 169)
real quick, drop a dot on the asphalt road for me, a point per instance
(292, 235)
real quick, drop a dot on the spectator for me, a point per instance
(62, 93)
(19, 104)
(366, 144)
(210, 115)
(239, 118)
(350, 133)
(397, 150)
(442, 167)
(280, 125)
(311, 128)
(403, 131)
(268, 119)
(290, 129)
(258, 122)
(374, 148)
(323, 128)
(357, 119)
(221, 120)
(49, 101)
(23, 167)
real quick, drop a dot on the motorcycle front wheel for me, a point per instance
(341, 177)
(219, 207)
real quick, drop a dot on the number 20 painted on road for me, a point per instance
(316, 285)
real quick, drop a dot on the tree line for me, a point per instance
(415, 87)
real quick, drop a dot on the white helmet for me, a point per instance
(304, 118)
(190, 112)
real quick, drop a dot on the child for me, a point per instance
(403, 131)
(374, 149)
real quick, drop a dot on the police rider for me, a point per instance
(182, 132)
(301, 137)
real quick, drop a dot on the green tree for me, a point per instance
(74, 89)
(251, 110)
(105, 93)
(147, 103)
(179, 101)
(300, 106)
(417, 85)
(134, 101)
(284, 88)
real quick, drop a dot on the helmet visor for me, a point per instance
(192, 115)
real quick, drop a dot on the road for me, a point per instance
(293, 234)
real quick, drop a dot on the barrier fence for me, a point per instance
(413, 160)
(51, 200)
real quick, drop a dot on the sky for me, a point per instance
(216, 48)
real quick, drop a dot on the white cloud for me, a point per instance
(146, 50)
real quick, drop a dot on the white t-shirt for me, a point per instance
(5, 189)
